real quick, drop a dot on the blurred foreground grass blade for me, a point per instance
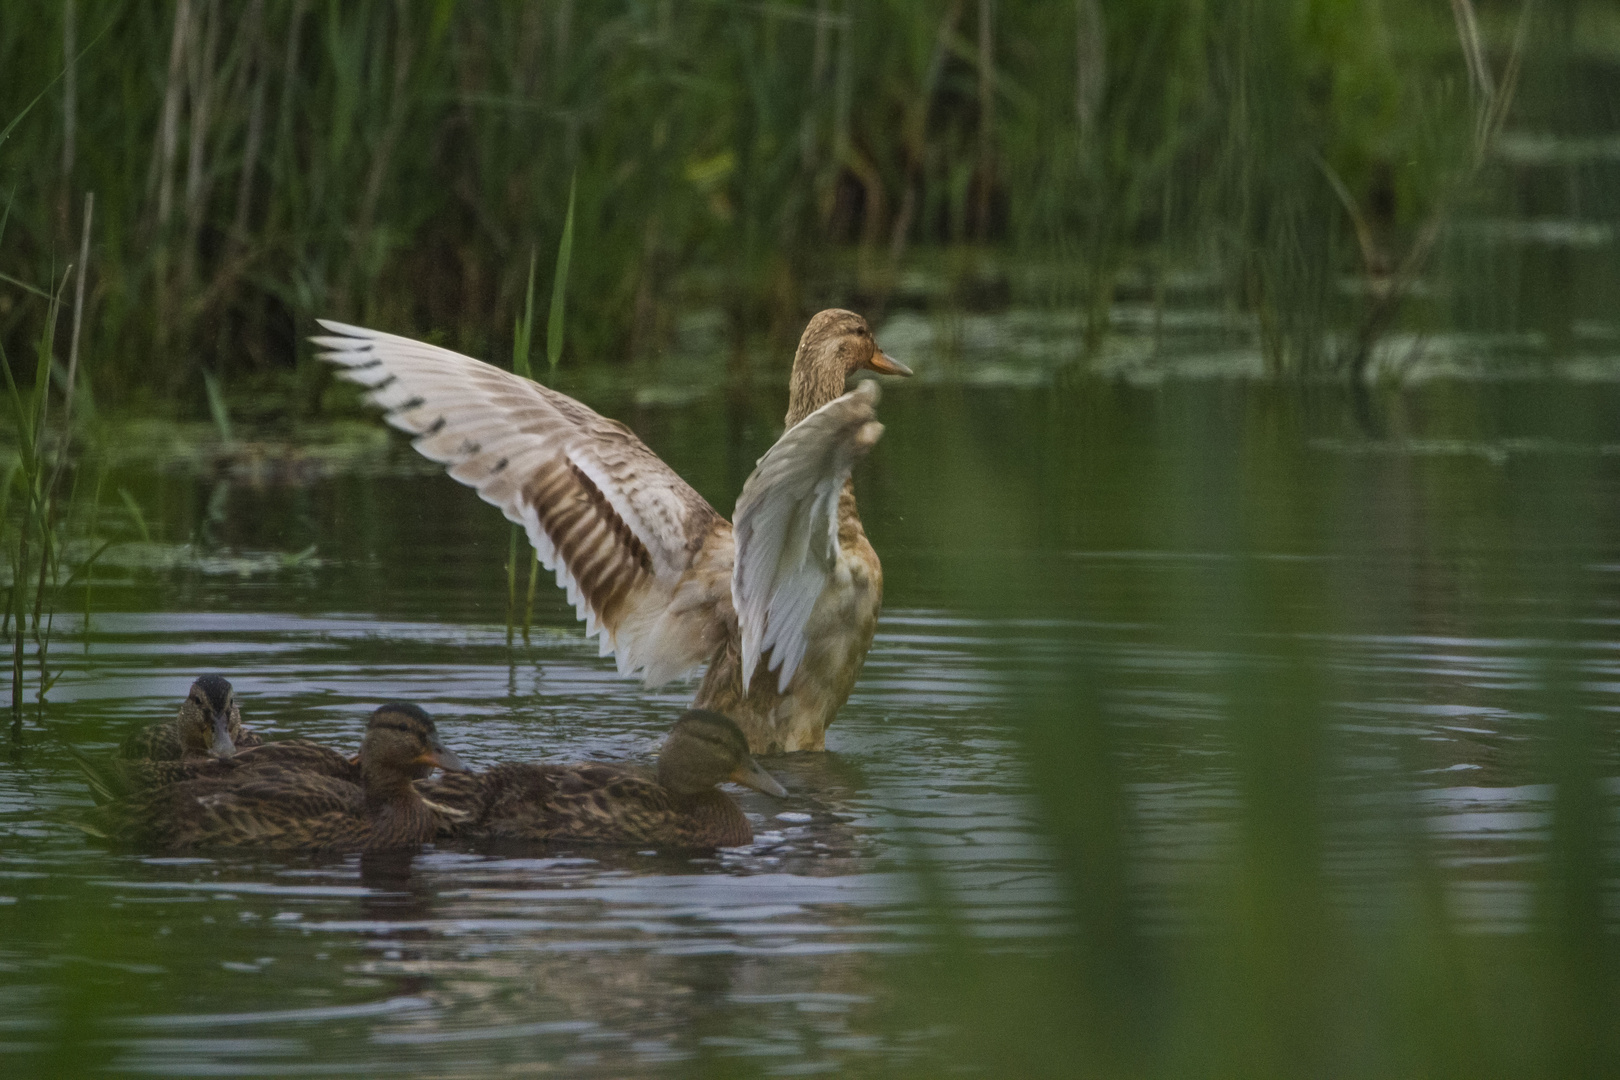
(1254, 879)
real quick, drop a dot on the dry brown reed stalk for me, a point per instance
(364, 264)
(257, 78)
(202, 79)
(160, 178)
(987, 117)
(70, 90)
(1091, 63)
(919, 105)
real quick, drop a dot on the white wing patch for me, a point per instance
(641, 556)
(787, 529)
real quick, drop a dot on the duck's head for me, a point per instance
(402, 744)
(704, 749)
(835, 345)
(209, 718)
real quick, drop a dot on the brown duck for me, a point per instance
(781, 603)
(209, 724)
(596, 802)
(293, 809)
(119, 777)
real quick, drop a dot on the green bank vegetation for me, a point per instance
(49, 508)
(258, 164)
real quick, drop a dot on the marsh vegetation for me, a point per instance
(261, 164)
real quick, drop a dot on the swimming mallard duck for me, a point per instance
(209, 724)
(598, 802)
(119, 778)
(782, 606)
(293, 809)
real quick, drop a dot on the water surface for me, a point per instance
(1167, 559)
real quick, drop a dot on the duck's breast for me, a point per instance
(838, 634)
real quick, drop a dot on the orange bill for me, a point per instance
(884, 364)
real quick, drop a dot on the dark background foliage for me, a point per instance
(257, 164)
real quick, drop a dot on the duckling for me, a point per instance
(295, 810)
(596, 802)
(209, 724)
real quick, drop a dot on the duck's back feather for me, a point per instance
(274, 808)
(591, 802)
(300, 755)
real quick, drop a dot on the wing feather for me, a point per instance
(787, 528)
(642, 557)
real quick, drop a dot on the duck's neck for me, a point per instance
(396, 813)
(817, 379)
(386, 788)
(401, 820)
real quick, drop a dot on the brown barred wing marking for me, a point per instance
(645, 560)
(606, 559)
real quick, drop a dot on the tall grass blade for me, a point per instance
(5, 132)
(135, 515)
(511, 584)
(217, 408)
(559, 283)
(73, 346)
(522, 346)
(523, 331)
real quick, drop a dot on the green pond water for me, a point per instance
(1212, 728)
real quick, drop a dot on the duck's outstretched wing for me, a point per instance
(643, 557)
(787, 528)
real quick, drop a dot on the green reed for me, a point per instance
(522, 339)
(39, 521)
(260, 163)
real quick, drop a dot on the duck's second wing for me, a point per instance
(787, 528)
(644, 559)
